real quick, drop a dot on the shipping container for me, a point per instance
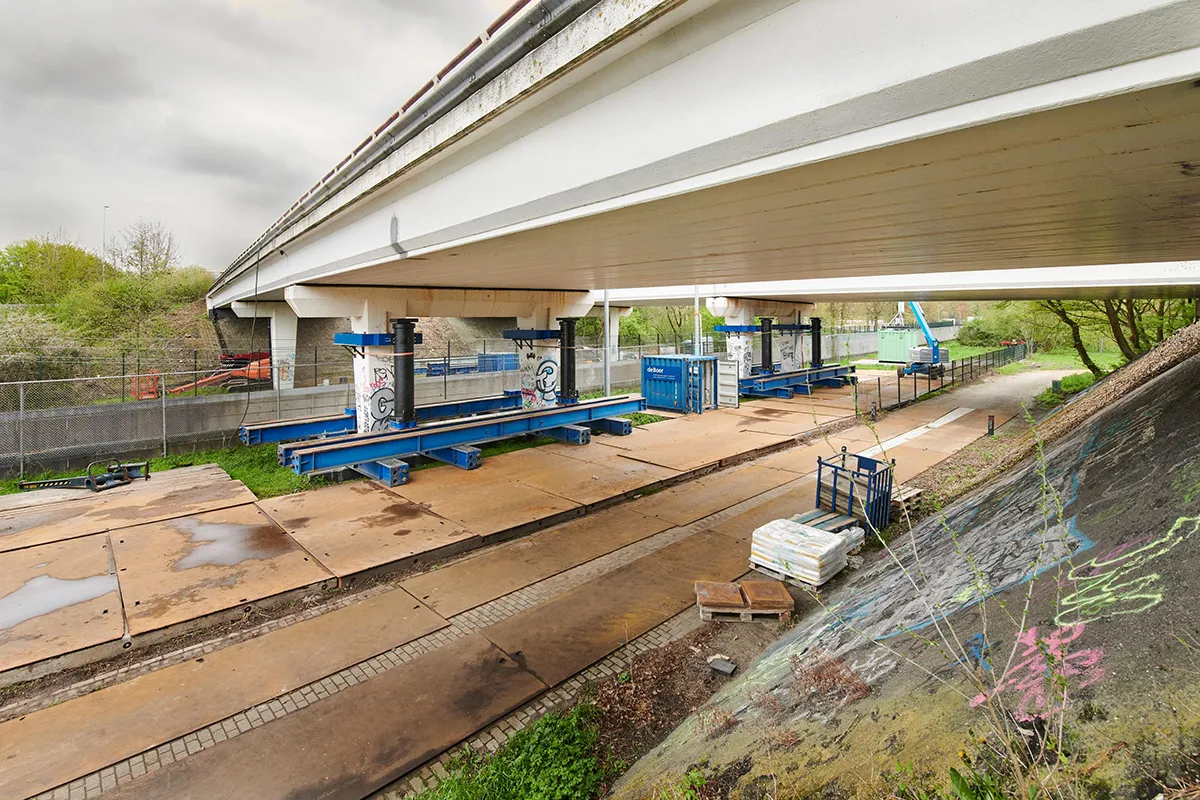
(894, 344)
(687, 384)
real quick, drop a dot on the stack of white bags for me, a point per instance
(854, 538)
(798, 551)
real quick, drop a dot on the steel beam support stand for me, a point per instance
(404, 408)
(568, 394)
(767, 365)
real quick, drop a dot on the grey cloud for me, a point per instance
(209, 115)
(76, 70)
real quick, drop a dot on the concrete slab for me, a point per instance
(598, 473)
(121, 508)
(486, 501)
(571, 632)
(57, 598)
(688, 502)
(515, 565)
(183, 569)
(360, 739)
(358, 527)
(58, 744)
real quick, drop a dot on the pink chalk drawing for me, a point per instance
(1045, 660)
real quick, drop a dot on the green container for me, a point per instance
(894, 344)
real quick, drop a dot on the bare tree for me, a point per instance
(146, 249)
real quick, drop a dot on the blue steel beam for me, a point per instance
(461, 456)
(614, 426)
(354, 450)
(426, 413)
(302, 428)
(799, 381)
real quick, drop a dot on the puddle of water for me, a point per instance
(44, 594)
(226, 543)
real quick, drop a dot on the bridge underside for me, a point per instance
(1110, 181)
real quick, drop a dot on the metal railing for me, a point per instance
(885, 393)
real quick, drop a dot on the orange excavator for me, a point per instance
(234, 378)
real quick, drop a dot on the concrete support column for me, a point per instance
(791, 348)
(538, 359)
(374, 374)
(284, 325)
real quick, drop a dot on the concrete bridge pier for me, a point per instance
(740, 313)
(284, 325)
(539, 317)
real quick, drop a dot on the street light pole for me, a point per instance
(104, 240)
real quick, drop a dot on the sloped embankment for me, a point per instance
(1064, 589)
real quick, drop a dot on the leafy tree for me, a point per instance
(41, 270)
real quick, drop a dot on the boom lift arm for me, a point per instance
(923, 359)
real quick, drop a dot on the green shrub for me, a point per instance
(555, 758)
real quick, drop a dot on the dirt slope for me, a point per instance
(1102, 536)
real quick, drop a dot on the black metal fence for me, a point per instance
(885, 393)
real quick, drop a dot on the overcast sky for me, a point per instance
(211, 116)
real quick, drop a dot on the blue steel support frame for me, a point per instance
(391, 471)
(287, 434)
(323, 456)
(788, 384)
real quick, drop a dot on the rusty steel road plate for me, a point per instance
(517, 564)
(183, 569)
(485, 501)
(160, 498)
(574, 630)
(53, 746)
(719, 594)
(57, 598)
(354, 742)
(359, 526)
(687, 502)
(595, 474)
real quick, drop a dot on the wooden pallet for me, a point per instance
(830, 521)
(905, 496)
(745, 615)
(779, 576)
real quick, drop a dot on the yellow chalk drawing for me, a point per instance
(1116, 583)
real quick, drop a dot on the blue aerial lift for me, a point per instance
(927, 359)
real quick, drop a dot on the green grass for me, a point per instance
(254, 466)
(555, 758)
(1069, 359)
(1071, 385)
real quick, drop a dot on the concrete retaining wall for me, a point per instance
(71, 437)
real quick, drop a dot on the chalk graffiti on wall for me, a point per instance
(1045, 659)
(1117, 582)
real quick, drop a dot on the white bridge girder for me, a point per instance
(701, 141)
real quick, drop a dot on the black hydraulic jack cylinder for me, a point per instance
(815, 323)
(568, 393)
(768, 356)
(404, 342)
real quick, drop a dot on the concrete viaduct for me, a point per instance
(584, 145)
